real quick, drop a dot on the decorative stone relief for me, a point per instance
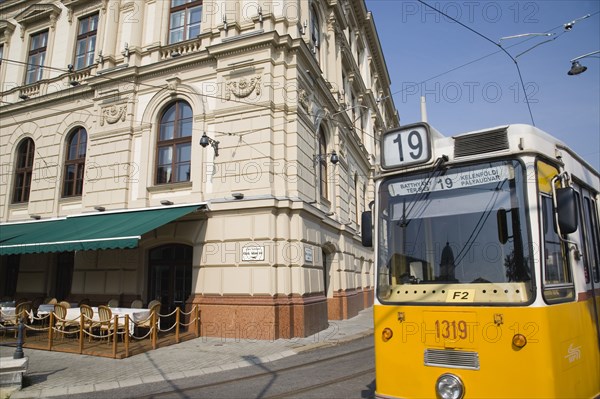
(303, 99)
(113, 113)
(243, 87)
(172, 85)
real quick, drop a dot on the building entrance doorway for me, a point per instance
(170, 276)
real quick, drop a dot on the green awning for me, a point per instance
(122, 229)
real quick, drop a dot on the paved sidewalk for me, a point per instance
(59, 374)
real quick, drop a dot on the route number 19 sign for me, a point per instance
(408, 145)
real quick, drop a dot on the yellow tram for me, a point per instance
(487, 266)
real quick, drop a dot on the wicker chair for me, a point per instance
(51, 301)
(154, 313)
(61, 323)
(84, 301)
(35, 304)
(88, 315)
(137, 304)
(152, 303)
(113, 303)
(106, 323)
(22, 312)
(66, 304)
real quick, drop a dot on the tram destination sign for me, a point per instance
(408, 145)
(463, 179)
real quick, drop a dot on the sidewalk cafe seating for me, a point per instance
(61, 322)
(154, 310)
(106, 323)
(88, 323)
(137, 304)
(22, 312)
(113, 303)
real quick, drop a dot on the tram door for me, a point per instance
(170, 277)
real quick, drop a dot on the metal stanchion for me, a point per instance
(19, 350)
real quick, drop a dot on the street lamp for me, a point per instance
(334, 157)
(576, 67)
(205, 141)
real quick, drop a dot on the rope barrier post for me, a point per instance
(177, 318)
(81, 321)
(197, 311)
(50, 331)
(126, 339)
(19, 349)
(154, 332)
(115, 336)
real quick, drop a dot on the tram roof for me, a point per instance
(515, 139)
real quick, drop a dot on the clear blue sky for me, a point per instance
(422, 48)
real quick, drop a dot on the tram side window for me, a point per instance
(592, 239)
(558, 283)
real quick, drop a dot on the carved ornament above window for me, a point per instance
(243, 87)
(113, 114)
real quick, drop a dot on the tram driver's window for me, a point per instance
(558, 283)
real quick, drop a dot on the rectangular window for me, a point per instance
(558, 282)
(185, 19)
(592, 240)
(86, 41)
(36, 57)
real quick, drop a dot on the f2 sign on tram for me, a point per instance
(406, 146)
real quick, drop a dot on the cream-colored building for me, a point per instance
(200, 152)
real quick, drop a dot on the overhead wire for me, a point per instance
(495, 44)
(480, 58)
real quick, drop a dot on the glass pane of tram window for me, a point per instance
(556, 267)
(583, 239)
(590, 219)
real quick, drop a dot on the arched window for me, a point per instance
(23, 171)
(322, 164)
(75, 163)
(174, 147)
(315, 32)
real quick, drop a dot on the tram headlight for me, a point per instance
(449, 386)
(387, 334)
(519, 340)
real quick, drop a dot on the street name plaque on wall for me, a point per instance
(253, 253)
(308, 254)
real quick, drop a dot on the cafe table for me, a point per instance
(135, 315)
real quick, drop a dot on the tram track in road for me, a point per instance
(275, 372)
(323, 384)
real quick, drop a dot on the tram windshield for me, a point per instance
(460, 229)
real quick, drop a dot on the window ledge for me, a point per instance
(168, 187)
(18, 205)
(70, 199)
